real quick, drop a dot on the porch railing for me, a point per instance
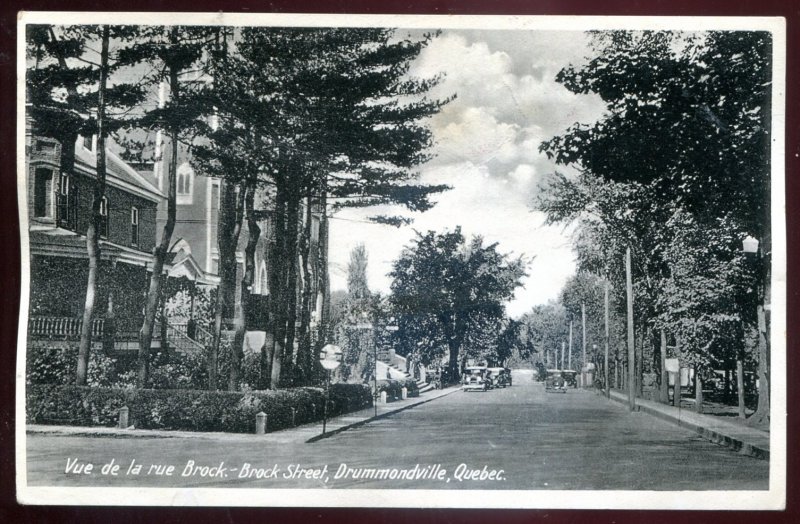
(69, 328)
(61, 327)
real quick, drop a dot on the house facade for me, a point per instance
(59, 212)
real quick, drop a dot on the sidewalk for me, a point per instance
(745, 440)
(306, 433)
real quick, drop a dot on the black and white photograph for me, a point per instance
(401, 261)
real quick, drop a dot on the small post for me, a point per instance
(383, 397)
(261, 423)
(404, 393)
(294, 417)
(123, 417)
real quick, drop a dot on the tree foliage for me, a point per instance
(448, 292)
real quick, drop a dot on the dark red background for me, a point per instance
(10, 512)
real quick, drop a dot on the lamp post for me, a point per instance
(750, 246)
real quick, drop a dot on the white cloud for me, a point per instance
(487, 146)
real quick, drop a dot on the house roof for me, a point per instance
(61, 242)
(119, 173)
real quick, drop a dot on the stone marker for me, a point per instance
(404, 393)
(383, 397)
(123, 417)
(261, 423)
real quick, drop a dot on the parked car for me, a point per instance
(508, 376)
(497, 377)
(570, 377)
(555, 382)
(475, 377)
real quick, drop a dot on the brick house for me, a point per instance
(59, 210)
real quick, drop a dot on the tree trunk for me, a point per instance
(228, 226)
(631, 346)
(292, 236)
(277, 266)
(761, 416)
(698, 391)
(664, 374)
(740, 384)
(240, 322)
(160, 255)
(92, 233)
(304, 346)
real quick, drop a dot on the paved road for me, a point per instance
(529, 439)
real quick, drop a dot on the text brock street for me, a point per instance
(461, 473)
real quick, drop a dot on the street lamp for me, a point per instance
(750, 244)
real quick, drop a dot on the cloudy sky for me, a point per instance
(487, 144)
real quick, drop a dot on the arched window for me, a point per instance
(185, 183)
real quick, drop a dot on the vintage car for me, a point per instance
(570, 377)
(475, 377)
(555, 382)
(497, 377)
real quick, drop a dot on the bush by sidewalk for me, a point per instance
(393, 388)
(189, 410)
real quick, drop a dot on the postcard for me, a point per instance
(401, 261)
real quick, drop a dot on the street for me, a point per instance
(513, 438)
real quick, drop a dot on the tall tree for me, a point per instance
(688, 119)
(443, 288)
(174, 50)
(342, 107)
(63, 61)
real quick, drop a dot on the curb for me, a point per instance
(385, 414)
(734, 443)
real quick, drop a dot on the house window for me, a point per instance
(87, 142)
(42, 193)
(215, 195)
(103, 226)
(135, 226)
(67, 203)
(185, 184)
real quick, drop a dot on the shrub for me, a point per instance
(189, 410)
(393, 388)
(46, 364)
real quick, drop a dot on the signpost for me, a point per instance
(330, 357)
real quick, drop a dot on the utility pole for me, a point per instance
(605, 366)
(569, 360)
(631, 349)
(583, 325)
(562, 355)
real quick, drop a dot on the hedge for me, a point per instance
(393, 388)
(189, 410)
